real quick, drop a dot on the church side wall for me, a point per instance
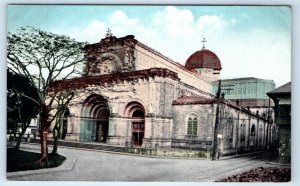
(237, 134)
(205, 122)
(145, 60)
(241, 131)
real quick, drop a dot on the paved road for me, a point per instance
(102, 166)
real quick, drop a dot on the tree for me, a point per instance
(21, 106)
(62, 99)
(43, 58)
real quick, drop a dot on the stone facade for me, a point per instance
(128, 96)
(239, 129)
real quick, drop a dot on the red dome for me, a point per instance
(203, 59)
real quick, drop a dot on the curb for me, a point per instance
(241, 155)
(279, 164)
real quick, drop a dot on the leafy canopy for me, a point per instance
(43, 57)
(21, 105)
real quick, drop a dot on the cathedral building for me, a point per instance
(132, 94)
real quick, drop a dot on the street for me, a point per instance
(93, 165)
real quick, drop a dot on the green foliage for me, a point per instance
(43, 57)
(21, 105)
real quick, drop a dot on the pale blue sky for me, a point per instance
(251, 41)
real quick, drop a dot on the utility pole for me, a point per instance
(217, 136)
(215, 152)
(269, 119)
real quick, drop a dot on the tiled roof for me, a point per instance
(191, 71)
(186, 100)
(284, 89)
(166, 58)
(190, 100)
(203, 59)
(155, 52)
(251, 102)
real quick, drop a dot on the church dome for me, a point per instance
(203, 59)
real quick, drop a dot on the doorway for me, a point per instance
(138, 127)
(102, 125)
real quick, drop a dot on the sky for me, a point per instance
(250, 41)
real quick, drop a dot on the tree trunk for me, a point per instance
(56, 135)
(55, 144)
(45, 124)
(24, 127)
(17, 147)
(44, 146)
(56, 132)
(19, 140)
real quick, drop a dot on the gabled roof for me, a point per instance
(186, 100)
(251, 102)
(155, 52)
(190, 100)
(284, 89)
(109, 40)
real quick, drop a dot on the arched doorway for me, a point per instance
(64, 124)
(102, 125)
(138, 127)
(252, 136)
(136, 113)
(94, 122)
(242, 136)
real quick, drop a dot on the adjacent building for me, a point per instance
(282, 99)
(250, 93)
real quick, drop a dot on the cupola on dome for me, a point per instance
(203, 59)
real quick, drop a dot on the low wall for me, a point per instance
(169, 152)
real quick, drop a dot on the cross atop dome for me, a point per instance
(108, 33)
(203, 41)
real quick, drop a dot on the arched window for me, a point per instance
(192, 126)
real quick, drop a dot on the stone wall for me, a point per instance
(154, 93)
(146, 59)
(240, 130)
